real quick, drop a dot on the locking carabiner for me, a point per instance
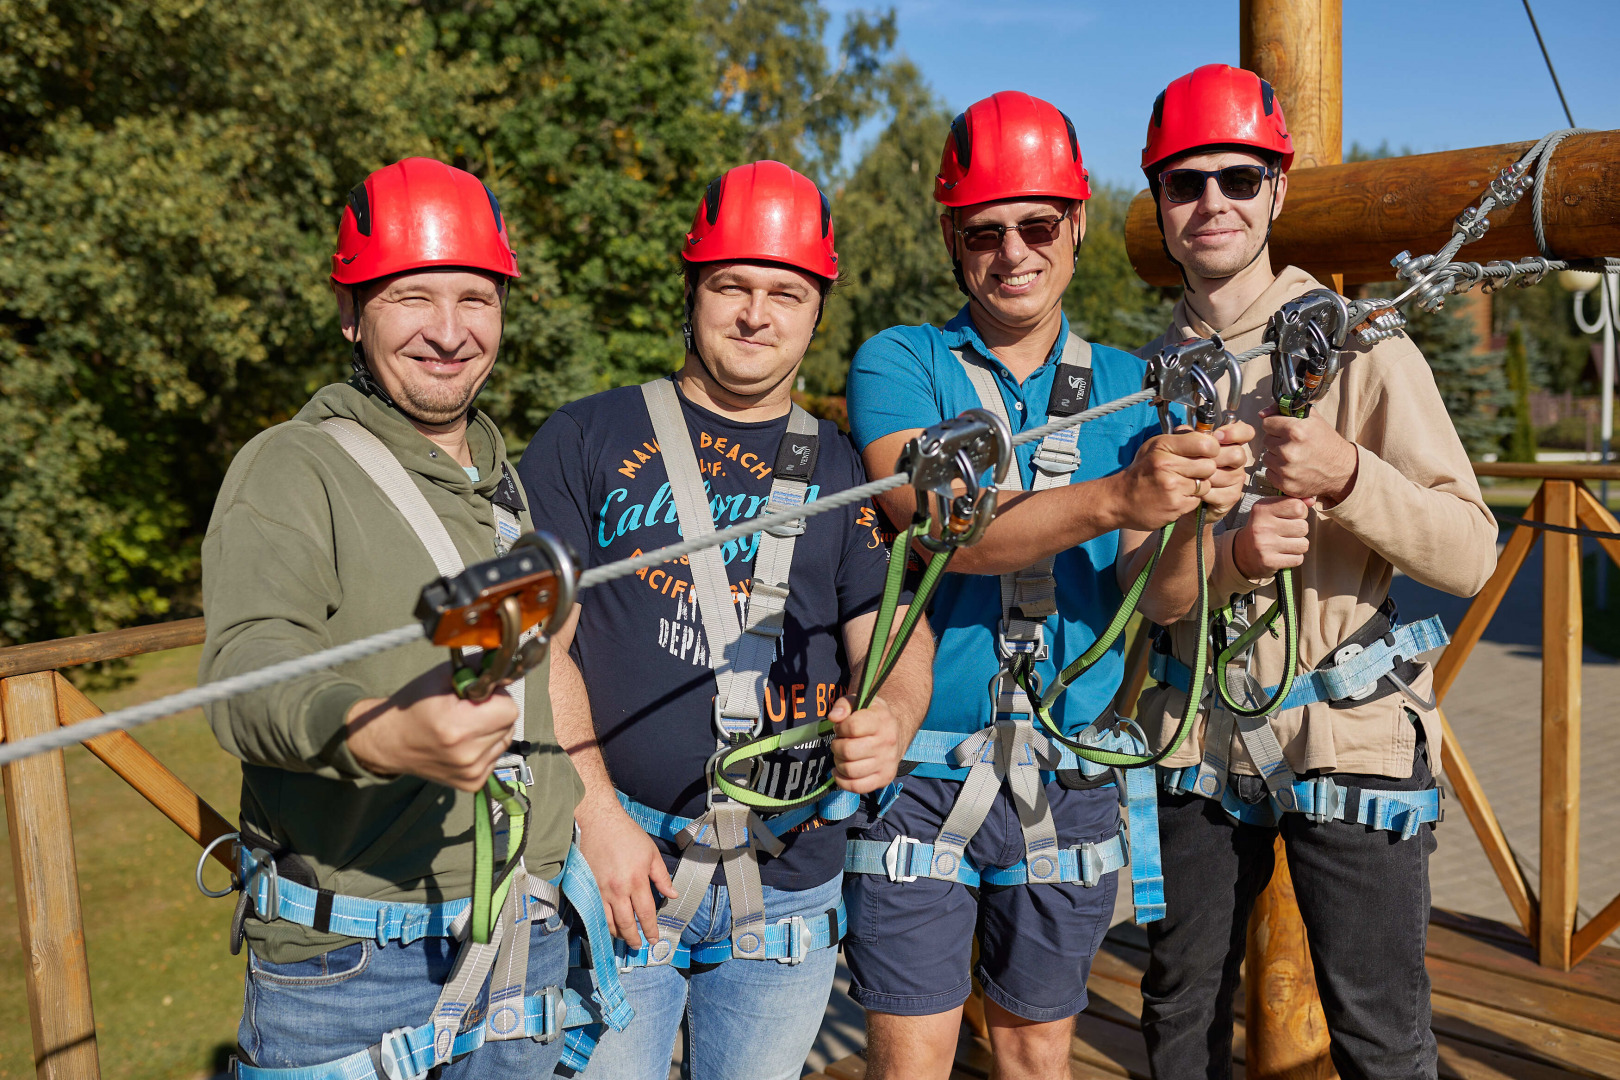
(1306, 335)
(1187, 374)
(958, 451)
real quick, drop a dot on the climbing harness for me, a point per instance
(1012, 751)
(496, 618)
(730, 833)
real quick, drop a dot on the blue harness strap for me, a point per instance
(408, 1053)
(275, 897)
(411, 1052)
(1324, 799)
(1336, 683)
(1084, 864)
(906, 859)
(939, 748)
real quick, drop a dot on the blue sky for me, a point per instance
(1425, 74)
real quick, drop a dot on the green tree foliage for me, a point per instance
(1472, 384)
(171, 176)
(1520, 443)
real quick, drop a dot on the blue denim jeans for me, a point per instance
(330, 1006)
(741, 1020)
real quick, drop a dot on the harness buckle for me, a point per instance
(1090, 861)
(266, 865)
(1327, 801)
(1034, 646)
(556, 1015)
(897, 859)
(394, 1054)
(1343, 655)
(798, 932)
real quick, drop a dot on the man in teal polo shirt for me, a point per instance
(1014, 187)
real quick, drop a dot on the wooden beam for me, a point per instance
(1471, 794)
(56, 971)
(1594, 515)
(1287, 1036)
(1560, 728)
(70, 652)
(1599, 927)
(1137, 655)
(1479, 613)
(142, 771)
(1354, 218)
(1295, 45)
(1546, 470)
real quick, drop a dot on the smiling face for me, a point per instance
(430, 337)
(1215, 236)
(1018, 284)
(752, 323)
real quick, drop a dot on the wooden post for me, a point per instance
(1294, 45)
(56, 970)
(1560, 727)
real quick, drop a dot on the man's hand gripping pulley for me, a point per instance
(491, 607)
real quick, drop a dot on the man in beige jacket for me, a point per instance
(1374, 479)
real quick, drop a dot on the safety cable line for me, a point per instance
(1545, 55)
(134, 716)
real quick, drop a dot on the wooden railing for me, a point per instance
(1562, 500)
(34, 697)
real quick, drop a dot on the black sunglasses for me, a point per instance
(1236, 182)
(1036, 232)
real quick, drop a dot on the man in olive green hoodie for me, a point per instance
(357, 782)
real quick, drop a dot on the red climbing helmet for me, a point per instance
(1213, 106)
(420, 213)
(1010, 146)
(764, 211)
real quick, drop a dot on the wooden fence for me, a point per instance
(35, 697)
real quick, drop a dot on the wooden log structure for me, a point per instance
(1354, 218)
(1294, 45)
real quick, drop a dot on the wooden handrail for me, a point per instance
(1547, 470)
(88, 648)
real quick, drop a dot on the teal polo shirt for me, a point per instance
(906, 377)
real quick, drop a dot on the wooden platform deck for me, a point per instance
(1498, 1015)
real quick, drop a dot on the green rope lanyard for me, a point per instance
(879, 664)
(491, 884)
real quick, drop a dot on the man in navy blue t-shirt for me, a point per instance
(1022, 858)
(744, 958)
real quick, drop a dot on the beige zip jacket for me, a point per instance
(1415, 507)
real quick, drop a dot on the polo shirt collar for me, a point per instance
(960, 332)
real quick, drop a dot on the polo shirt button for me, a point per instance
(1019, 405)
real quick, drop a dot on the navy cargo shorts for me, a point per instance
(910, 943)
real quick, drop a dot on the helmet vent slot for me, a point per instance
(711, 200)
(963, 140)
(360, 204)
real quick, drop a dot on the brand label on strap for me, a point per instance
(506, 492)
(796, 457)
(1071, 391)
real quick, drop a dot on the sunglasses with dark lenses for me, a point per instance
(1035, 232)
(1236, 182)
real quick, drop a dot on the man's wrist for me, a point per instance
(1342, 492)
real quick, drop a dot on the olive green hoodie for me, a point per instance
(304, 552)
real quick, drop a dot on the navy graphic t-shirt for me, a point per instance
(596, 479)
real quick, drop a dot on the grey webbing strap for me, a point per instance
(740, 654)
(472, 967)
(1028, 599)
(1010, 750)
(728, 834)
(379, 463)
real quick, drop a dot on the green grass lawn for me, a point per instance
(168, 992)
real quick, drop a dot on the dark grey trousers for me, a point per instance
(1364, 897)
